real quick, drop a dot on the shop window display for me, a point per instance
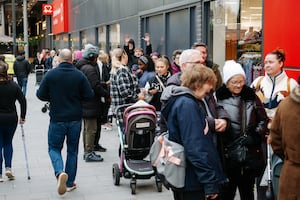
(242, 26)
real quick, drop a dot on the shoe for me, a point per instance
(9, 175)
(73, 187)
(93, 157)
(1, 178)
(107, 126)
(99, 148)
(62, 183)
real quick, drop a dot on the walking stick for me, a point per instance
(25, 151)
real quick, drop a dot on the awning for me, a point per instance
(7, 39)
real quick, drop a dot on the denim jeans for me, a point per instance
(6, 148)
(57, 133)
(22, 82)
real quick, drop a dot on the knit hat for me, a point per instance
(230, 69)
(90, 51)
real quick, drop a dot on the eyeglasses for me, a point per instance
(237, 83)
(196, 62)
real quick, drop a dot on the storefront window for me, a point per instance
(102, 37)
(237, 25)
(114, 36)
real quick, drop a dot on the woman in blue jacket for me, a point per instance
(187, 126)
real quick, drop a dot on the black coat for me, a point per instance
(21, 67)
(92, 108)
(254, 118)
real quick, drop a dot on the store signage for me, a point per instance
(47, 9)
(60, 17)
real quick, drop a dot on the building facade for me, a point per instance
(232, 29)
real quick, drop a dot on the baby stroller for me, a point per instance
(39, 73)
(136, 130)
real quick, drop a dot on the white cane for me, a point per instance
(25, 152)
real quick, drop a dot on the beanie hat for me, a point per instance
(230, 69)
(78, 54)
(90, 51)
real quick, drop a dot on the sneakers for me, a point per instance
(9, 175)
(62, 183)
(73, 187)
(1, 178)
(99, 148)
(107, 126)
(93, 157)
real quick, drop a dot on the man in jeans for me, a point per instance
(22, 69)
(65, 88)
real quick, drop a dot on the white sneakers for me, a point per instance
(62, 183)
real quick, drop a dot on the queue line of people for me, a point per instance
(236, 112)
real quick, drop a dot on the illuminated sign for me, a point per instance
(60, 18)
(47, 9)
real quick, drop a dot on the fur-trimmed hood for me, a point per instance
(295, 94)
(247, 93)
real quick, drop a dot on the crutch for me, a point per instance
(269, 192)
(25, 151)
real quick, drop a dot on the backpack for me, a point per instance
(168, 160)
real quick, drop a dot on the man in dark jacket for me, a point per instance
(65, 88)
(202, 48)
(92, 108)
(22, 69)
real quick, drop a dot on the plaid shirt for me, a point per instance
(123, 88)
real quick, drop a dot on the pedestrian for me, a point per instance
(65, 88)
(146, 70)
(92, 108)
(133, 52)
(175, 65)
(22, 69)
(208, 63)
(124, 87)
(159, 82)
(104, 68)
(187, 126)
(285, 137)
(10, 92)
(272, 88)
(241, 141)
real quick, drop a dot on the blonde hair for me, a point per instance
(197, 75)
(116, 60)
(103, 57)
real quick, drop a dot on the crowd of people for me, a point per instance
(221, 121)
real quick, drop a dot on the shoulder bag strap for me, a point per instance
(160, 82)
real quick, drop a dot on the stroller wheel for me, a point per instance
(116, 174)
(133, 186)
(44, 109)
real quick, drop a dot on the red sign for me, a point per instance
(47, 9)
(60, 17)
(281, 31)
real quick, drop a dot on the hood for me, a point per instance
(81, 63)
(169, 95)
(295, 94)
(20, 58)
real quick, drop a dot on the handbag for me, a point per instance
(236, 151)
(168, 159)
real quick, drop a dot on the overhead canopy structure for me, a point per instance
(7, 39)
